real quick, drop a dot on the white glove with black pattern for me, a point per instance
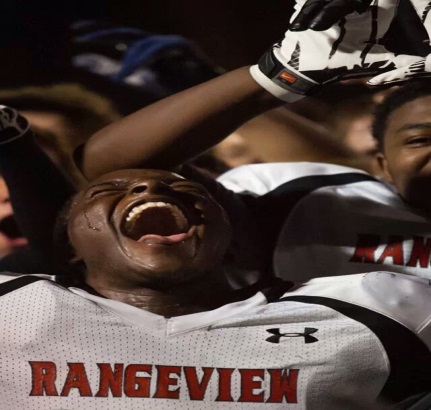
(305, 60)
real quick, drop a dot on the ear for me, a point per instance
(384, 168)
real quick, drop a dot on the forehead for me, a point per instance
(413, 113)
(131, 175)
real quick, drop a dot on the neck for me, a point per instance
(207, 293)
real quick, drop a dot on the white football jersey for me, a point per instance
(326, 220)
(314, 347)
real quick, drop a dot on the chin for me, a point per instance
(160, 277)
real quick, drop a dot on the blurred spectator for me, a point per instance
(10, 237)
(281, 135)
(158, 65)
(351, 108)
(334, 127)
(62, 117)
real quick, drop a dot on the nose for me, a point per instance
(150, 187)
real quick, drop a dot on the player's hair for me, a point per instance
(393, 101)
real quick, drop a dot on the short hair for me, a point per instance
(393, 101)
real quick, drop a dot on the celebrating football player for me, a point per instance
(314, 219)
(169, 132)
(152, 320)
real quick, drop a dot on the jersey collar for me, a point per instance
(175, 325)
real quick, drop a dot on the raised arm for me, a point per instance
(171, 131)
(177, 128)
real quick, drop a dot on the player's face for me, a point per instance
(148, 227)
(407, 151)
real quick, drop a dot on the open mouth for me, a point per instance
(157, 222)
(9, 227)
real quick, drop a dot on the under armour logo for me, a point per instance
(277, 335)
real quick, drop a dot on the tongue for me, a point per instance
(165, 240)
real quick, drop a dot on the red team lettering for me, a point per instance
(283, 385)
(134, 380)
(251, 385)
(225, 377)
(395, 250)
(110, 380)
(135, 385)
(44, 375)
(77, 379)
(197, 388)
(167, 380)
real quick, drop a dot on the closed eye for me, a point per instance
(189, 188)
(419, 141)
(104, 191)
(107, 188)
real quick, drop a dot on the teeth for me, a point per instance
(176, 212)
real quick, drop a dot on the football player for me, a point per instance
(273, 232)
(316, 219)
(152, 322)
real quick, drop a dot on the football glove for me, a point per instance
(304, 61)
(409, 32)
(406, 69)
(323, 14)
(409, 70)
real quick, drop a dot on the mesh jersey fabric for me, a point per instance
(67, 349)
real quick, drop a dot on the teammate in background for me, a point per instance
(153, 322)
(346, 221)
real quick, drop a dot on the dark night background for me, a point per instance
(232, 33)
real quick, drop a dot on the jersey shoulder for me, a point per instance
(402, 298)
(10, 281)
(260, 179)
(396, 308)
